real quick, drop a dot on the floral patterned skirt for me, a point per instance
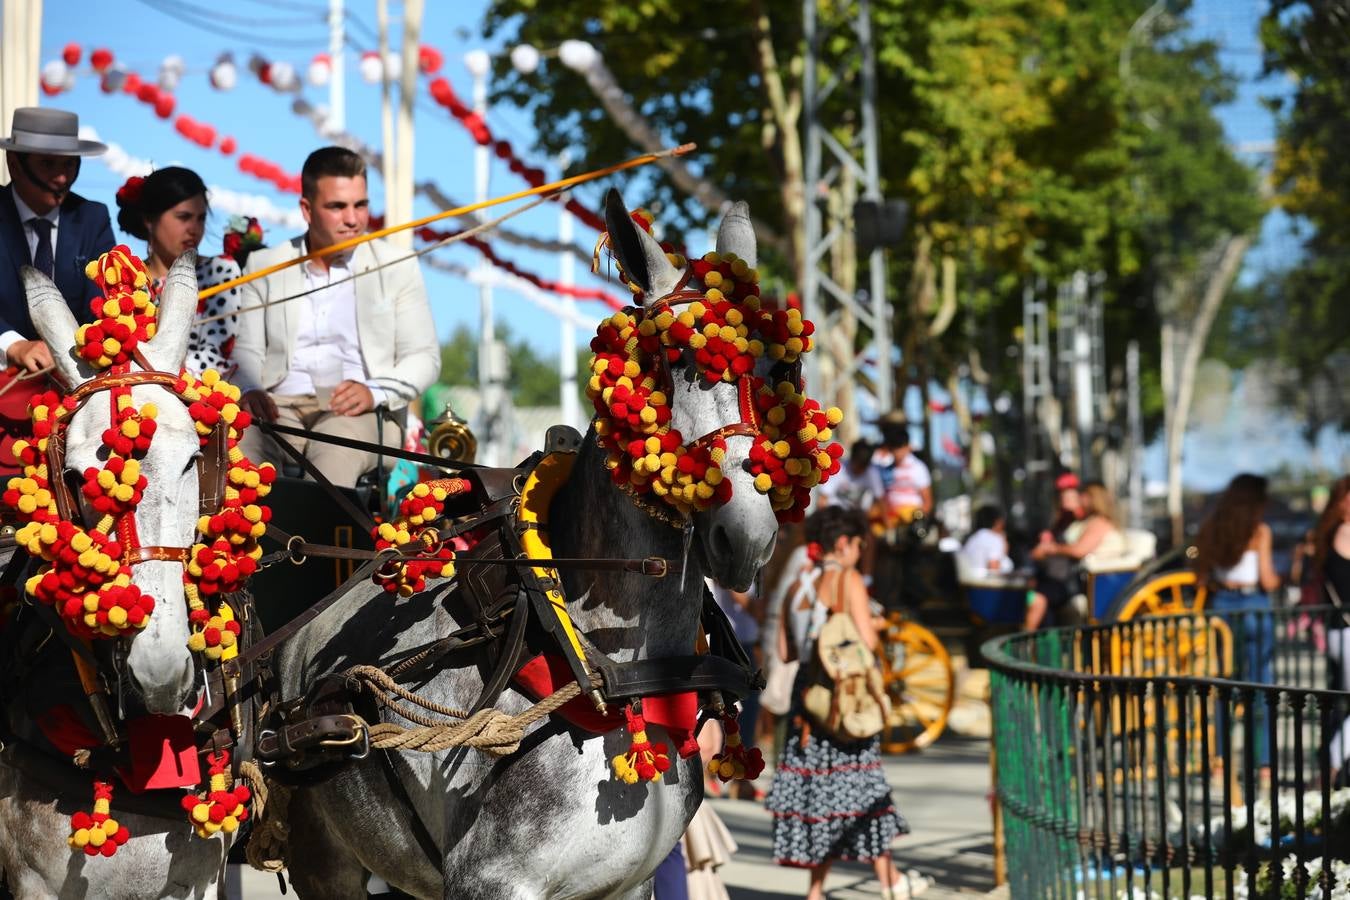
(830, 800)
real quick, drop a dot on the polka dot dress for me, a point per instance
(211, 343)
(830, 800)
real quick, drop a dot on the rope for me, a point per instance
(488, 730)
(266, 848)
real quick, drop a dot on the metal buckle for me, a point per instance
(265, 733)
(655, 567)
(360, 735)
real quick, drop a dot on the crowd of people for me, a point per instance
(344, 361)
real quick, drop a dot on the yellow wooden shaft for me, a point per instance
(645, 159)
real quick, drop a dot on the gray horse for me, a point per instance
(38, 795)
(549, 821)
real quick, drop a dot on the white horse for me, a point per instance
(549, 821)
(38, 794)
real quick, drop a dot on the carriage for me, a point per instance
(506, 648)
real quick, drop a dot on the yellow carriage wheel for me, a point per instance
(1171, 594)
(921, 684)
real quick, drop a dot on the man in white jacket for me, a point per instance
(357, 340)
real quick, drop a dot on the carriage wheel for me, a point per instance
(1175, 593)
(921, 683)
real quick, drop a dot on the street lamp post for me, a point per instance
(490, 411)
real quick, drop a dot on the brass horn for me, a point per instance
(450, 438)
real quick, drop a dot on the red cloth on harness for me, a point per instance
(677, 713)
(14, 421)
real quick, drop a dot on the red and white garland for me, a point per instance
(86, 576)
(725, 336)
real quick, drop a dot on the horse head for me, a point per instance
(157, 661)
(735, 536)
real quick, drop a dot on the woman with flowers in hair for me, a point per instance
(167, 209)
(830, 799)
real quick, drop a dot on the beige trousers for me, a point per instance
(340, 465)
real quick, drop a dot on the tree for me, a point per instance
(1300, 316)
(533, 379)
(1006, 126)
(1198, 208)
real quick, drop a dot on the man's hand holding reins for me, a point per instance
(33, 356)
(259, 404)
(351, 398)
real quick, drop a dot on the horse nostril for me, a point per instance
(721, 542)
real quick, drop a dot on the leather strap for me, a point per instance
(235, 667)
(342, 729)
(378, 449)
(648, 677)
(139, 555)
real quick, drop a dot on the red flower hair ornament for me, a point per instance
(129, 194)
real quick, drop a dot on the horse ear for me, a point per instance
(736, 234)
(643, 260)
(55, 324)
(177, 308)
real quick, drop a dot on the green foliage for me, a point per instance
(1005, 124)
(533, 379)
(1301, 318)
(691, 74)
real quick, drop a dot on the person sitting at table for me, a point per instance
(342, 337)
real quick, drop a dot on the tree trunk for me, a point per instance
(1229, 253)
(781, 118)
(841, 340)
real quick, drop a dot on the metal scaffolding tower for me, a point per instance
(1037, 391)
(856, 64)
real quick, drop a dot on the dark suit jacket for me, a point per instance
(82, 234)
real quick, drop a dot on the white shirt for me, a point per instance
(987, 552)
(856, 491)
(25, 213)
(905, 480)
(326, 328)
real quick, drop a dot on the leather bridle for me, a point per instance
(212, 464)
(749, 424)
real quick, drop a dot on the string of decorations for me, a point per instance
(58, 75)
(223, 199)
(433, 235)
(478, 129)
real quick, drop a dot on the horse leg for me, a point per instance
(319, 864)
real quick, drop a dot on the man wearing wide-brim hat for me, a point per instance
(44, 225)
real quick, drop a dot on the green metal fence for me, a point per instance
(1178, 757)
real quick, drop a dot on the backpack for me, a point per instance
(844, 692)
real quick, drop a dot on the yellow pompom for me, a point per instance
(763, 482)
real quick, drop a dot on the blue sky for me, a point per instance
(141, 34)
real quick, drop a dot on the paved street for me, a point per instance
(942, 792)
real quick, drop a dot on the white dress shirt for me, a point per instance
(25, 213)
(327, 329)
(987, 552)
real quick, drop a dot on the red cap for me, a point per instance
(1066, 482)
